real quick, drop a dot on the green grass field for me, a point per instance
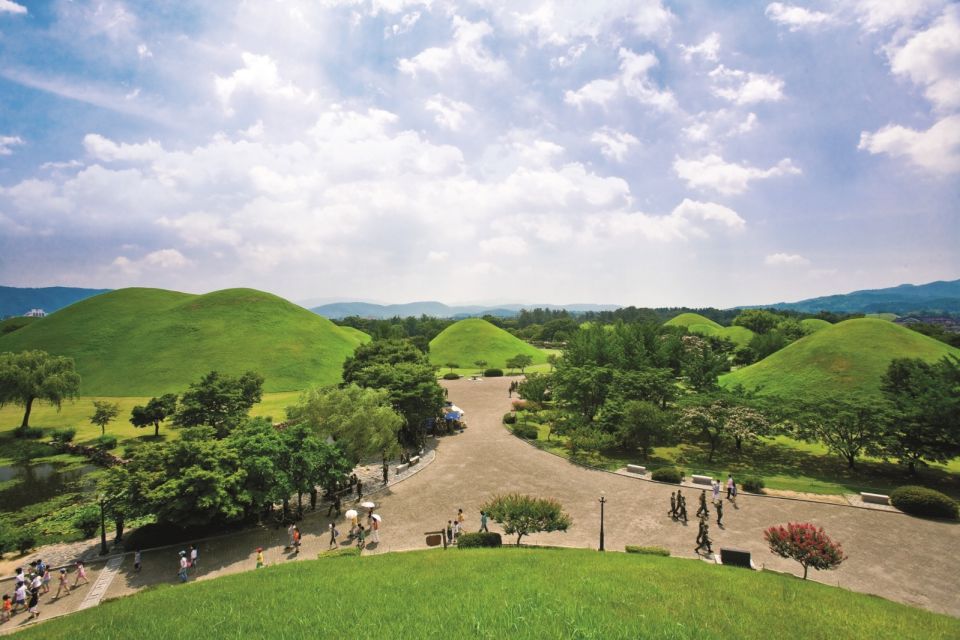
(688, 319)
(137, 342)
(473, 339)
(847, 359)
(501, 593)
(812, 325)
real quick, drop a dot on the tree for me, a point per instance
(847, 429)
(114, 486)
(156, 411)
(36, 375)
(552, 361)
(219, 401)
(392, 352)
(480, 364)
(522, 515)
(581, 389)
(641, 426)
(806, 544)
(261, 449)
(758, 320)
(701, 364)
(310, 462)
(104, 413)
(535, 388)
(718, 417)
(520, 361)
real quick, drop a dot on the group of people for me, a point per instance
(678, 510)
(455, 526)
(188, 560)
(29, 585)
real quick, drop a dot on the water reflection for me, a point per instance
(38, 482)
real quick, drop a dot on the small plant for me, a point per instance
(479, 539)
(63, 435)
(493, 373)
(667, 474)
(752, 484)
(805, 543)
(106, 442)
(526, 430)
(26, 541)
(87, 521)
(450, 375)
(28, 433)
(650, 551)
(509, 418)
(921, 501)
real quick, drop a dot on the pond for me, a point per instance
(28, 484)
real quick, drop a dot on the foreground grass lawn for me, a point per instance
(508, 593)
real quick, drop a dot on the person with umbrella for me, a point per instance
(351, 515)
(375, 527)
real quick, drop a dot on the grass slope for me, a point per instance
(467, 341)
(688, 319)
(847, 359)
(696, 323)
(502, 593)
(812, 325)
(144, 342)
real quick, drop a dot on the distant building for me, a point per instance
(35, 313)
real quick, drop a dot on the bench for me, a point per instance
(401, 468)
(875, 498)
(735, 558)
(414, 460)
(636, 468)
(702, 480)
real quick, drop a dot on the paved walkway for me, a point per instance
(102, 583)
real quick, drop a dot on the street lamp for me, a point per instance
(103, 528)
(603, 501)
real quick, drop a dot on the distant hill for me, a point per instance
(473, 339)
(339, 310)
(812, 325)
(696, 323)
(937, 297)
(133, 342)
(16, 301)
(847, 359)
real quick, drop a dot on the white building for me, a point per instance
(35, 313)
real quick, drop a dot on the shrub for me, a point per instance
(63, 435)
(509, 418)
(920, 501)
(26, 540)
(450, 375)
(479, 539)
(752, 484)
(650, 551)
(29, 433)
(523, 515)
(88, 521)
(6, 539)
(106, 442)
(524, 430)
(667, 474)
(805, 543)
(493, 373)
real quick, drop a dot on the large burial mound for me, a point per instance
(149, 341)
(696, 323)
(467, 341)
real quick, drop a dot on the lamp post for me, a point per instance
(103, 528)
(603, 501)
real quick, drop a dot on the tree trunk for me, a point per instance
(156, 429)
(26, 413)
(119, 522)
(912, 467)
(805, 567)
(519, 535)
(851, 459)
(739, 442)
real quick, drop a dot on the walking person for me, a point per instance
(7, 611)
(704, 539)
(449, 531)
(34, 604)
(184, 563)
(703, 510)
(673, 506)
(733, 489)
(62, 585)
(375, 530)
(296, 541)
(290, 530)
(716, 489)
(20, 597)
(361, 538)
(730, 485)
(136, 560)
(333, 536)
(81, 574)
(359, 489)
(456, 530)
(335, 505)
(259, 557)
(483, 522)
(46, 579)
(460, 517)
(194, 556)
(683, 508)
(720, 514)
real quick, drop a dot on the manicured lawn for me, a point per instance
(503, 593)
(467, 341)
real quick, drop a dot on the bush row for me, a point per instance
(920, 501)
(667, 474)
(479, 539)
(524, 430)
(493, 373)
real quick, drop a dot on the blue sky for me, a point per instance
(648, 152)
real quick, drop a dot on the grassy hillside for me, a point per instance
(696, 323)
(845, 359)
(467, 341)
(142, 342)
(812, 325)
(688, 319)
(17, 322)
(501, 593)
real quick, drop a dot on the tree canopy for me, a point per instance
(156, 411)
(219, 401)
(36, 375)
(104, 413)
(522, 515)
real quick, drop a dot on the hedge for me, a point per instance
(920, 501)
(509, 418)
(528, 431)
(64, 435)
(106, 442)
(450, 375)
(667, 474)
(650, 551)
(479, 539)
(752, 484)
(493, 373)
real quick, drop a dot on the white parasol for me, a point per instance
(350, 514)
(367, 505)
(377, 517)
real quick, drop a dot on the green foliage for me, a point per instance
(342, 552)
(525, 430)
(142, 342)
(262, 450)
(639, 425)
(649, 551)
(667, 474)
(87, 521)
(479, 539)
(805, 543)
(752, 484)
(25, 540)
(520, 361)
(522, 515)
(493, 373)
(28, 433)
(726, 416)
(450, 375)
(155, 412)
(63, 435)
(6, 538)
(106, 442)
(846, 429)
(35, 375)
(476, 339)
(509, 417)
(759, 321)
(535, 388)
(921, 501)
(219, 401)
(104, 413)
(310, 461)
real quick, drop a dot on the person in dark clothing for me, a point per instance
(703, 510)
(720, 514)
(704, 539)
(683, 508)
(673, 506)
(335, 505)
(359, 489)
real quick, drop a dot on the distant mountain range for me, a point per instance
(934, 297)
(15, 301)
(434, 309)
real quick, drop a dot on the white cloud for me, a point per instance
(449, 113)
(259, 76)
(709, 49)
(714, 126)
(160, 259)
(785, 260)
(102, 148)
(727, 178)
(633, 80)
(6, 142)
(407, 22)
(143, 51)
(614, 144)
(572, 55)
(936, 150)
(466, 49)
(558, 22)
(931, 58)
(437, 256)
(687, 220)
(746, 87)
(8, 6)
(505, 245)
(796, 18)
(880, 14)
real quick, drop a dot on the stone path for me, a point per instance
(102, 583)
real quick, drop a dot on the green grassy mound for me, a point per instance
(144, 342)
(696, 323)
(17, 322)
(500, 593)
(688, 319)
(812, 325)
(474, 339)
(846, 359)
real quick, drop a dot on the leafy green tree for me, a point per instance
(391, 352)
(155, 412)
(262, 452)
(522, 515)
(701, 363)
(36, 375)
(310, 461)
(219, 401)
(104, 413)
(716, 418)
(535, 388)
(114, 487)
(758, 320)
(552, 361)
(520, 361)
(642, 425)
(581, 389)
(846, 429)
(649, 384)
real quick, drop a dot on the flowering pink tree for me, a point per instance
(806, 544)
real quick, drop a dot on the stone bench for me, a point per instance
(875, 498)
(401, 468)
(415, 460)
(702, 480)
(735, 558)
(636, 468)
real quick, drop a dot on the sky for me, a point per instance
(645, 152)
